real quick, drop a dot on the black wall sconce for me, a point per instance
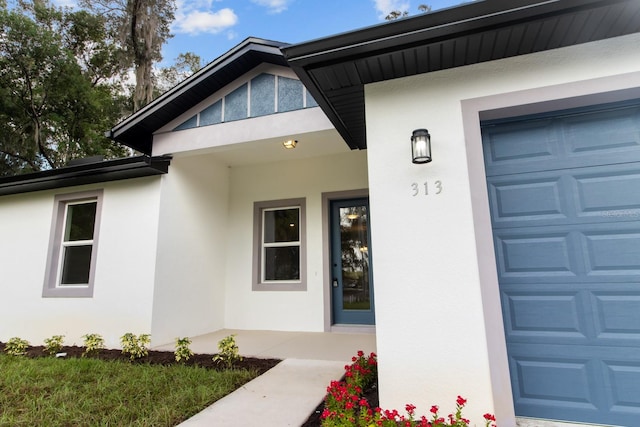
(420, 146)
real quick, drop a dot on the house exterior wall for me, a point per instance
(307, 178)
(190, 269)
(439, 326)
(123, 286)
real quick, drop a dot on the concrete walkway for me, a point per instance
(289, 392)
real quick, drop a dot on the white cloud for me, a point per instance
(384, 7)
(274, 6)
(190, 20)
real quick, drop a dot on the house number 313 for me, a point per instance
(427, 188)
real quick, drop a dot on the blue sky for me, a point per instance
(209, 28)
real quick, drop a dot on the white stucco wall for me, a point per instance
(190, 269)
(123, 286)
(308, 178)
(439, 326)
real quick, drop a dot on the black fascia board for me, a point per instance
(109, 170)
(450, 23)
(405, 33)
(136, 131)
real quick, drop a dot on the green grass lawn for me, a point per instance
(91, 392)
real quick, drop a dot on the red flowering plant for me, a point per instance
(345, 406)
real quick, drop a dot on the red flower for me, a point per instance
(489, 417)
(434, 409)
(410, 408)
(460, 401)
(360, 353)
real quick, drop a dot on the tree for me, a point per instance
(185, 65)
(395, 14)
(141, 27)
(56, 95)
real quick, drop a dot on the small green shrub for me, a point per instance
(92, 343)
(16, 346)
(183, 352)
(54, 344)
(227, 351)
(135, 346)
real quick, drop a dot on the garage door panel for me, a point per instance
(590, 138)
(612, 134)
(605, 314)
(555, 381)
(599, 386)
(535, 199)
(621, 380)
(608, 193)
(536, 143)
(569, 196)
(530, 254)
(615, 251)
(617, 315)
(588, 253)
(554, 315)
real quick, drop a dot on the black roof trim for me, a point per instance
(109, 170)
(335, 69)
(136, 131)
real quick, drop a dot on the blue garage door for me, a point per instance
(564, 192)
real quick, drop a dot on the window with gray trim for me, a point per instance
(73, 243)
(279, 262)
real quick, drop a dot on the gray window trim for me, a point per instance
(257, 283)
(51, 288)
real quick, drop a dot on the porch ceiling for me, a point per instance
(314, 144)
(335, 69)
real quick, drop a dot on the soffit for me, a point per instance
(335, 69)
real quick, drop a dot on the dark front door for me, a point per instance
(352, 285)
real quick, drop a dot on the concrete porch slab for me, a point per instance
(337, 346)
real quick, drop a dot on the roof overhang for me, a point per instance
(335, 69)
(137, 130)
(90, 173)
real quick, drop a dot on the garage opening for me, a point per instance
(564, 194)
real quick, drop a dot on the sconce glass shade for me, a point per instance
(420, 146)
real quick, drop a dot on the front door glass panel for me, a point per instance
(352, 287)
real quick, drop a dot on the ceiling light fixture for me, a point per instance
(290, 144)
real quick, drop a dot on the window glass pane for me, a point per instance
(282, 225)
(290, 95)
(211, 115)
(188, 124)
(282, 263)
(80, 221)
(263, 95)
(76, 265)
(235, 104)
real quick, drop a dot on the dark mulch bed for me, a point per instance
(370, 393)
(158, 358)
